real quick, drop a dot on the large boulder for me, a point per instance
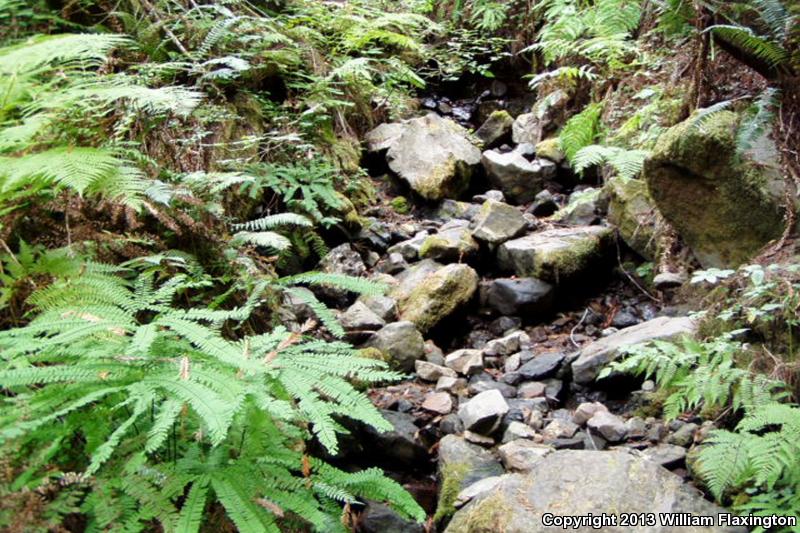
(426, 297)
(432, 154)
(571, 483)
(633, 213)
(593, 357)
(725, 205)
(527, 298)
(556, 254)
(519, 178)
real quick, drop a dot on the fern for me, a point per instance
(757, 123)
(745, 38)
(627, 163)
(82, 50)
(581, 130)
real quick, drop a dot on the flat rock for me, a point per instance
(542, 366)
(476, 489)
(453, 242)
(466, 362)
(438, 402)
(402, 344)
(595, 356)
(518, 178)
(523, 297)
(520, 455)
(611, 427)
(580, 482)
(556, 254)
(432, 372)
(666, 455)
(360, 317)
(498, 222)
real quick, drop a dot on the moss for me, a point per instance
(400, 205)
(550, 149)
(486, 516)
(373, 353)
(573, 259)
(432, 246)
(439, 295)
(452, 478)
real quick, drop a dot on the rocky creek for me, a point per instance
(510, 288)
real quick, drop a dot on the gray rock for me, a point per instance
(394, 263)
(492, 194)
(557, 254)
(634, 214)
(667, 455)
(587, 410)
(402, 344)
(498, 222)
(520, 455)
(518, 430)
(542, 366)
(483, 385)
(343, 260)
(595, 356)
(477, 438)
(380, 518)
(383, 306)
(433, 354)
(496, 128)
(684, 436)
(531, 127)
(409, 249)
(636, 428)
(451, 209)
(450, 383)
(465, 362)
(559, 429)
(610, 426)
(532, 389)
(431, 372)
(451, 425)
(432, 154)
(519, 179)
(483, 413)
(511, 343)
(669, 280)
(577, 483)
(460, 465)
(400, 444)
(360, 317)
(453, 242)
(553, 389)
(476, 489)
(527, 297)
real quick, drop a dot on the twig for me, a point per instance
(572, 332)
(154, 14)
(619, 261)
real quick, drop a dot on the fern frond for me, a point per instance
(748, 41)
(65, 50)
(581, 130)
(274, 221)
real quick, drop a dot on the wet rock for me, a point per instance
(595, 356)
(432, 154)
(360, 317)
(578, 483)
(496, 129)
(483, 413)
(624, 319)
(460, 465)
(400, 444)
(611, 427)
(519, 179)
(409, 249)
(542, 366)
(520, 455)
(466, 362)
(725, 205)
(453, 242)
(380, 518)
(667, 455)
(402, 344)
(587, 410)
(431, 372)
(557, 254)
(437, 295)
(438, 402)
(498, 222)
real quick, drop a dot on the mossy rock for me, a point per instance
(635, 215)
(400, 205)
(550, 149)
(725, 207)
(439, 295)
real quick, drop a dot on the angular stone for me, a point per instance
(383, 306)
(483, 413)
(400, 443)
(635, 215)
(498, 222)
(544, 116)
(532, 389)
(511, 343)
(550, 149)
(437, 296)
(360, 317)
(524, 297)
(519, 179)
(559, 429)
(450, 383)
(595, 356)
(431, 372)
(453, 242)
(432, 154)
(557, 254)
(380, 518)
(666, 455)
(542, 366)
(402, 344)
(476, 489)
(577, 483)
(520, 455)
(438, 402)
(409, 249)
(496, 128)
(609, 426)
(518, 430)
(465, 362)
